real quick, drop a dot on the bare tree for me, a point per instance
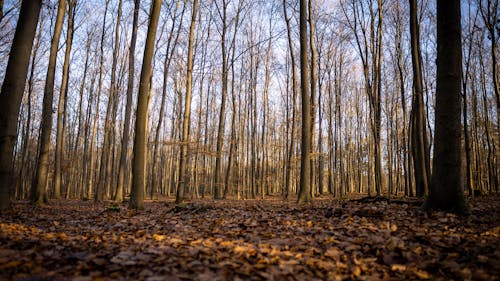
(367, 31)
(421, 161)
(141, 121)
(172, 42)
(305, 149)
(122, 178)
(40, 180)
(12, 93)
(288, 169)
(446, 189)
(61, 110)
(183, 161)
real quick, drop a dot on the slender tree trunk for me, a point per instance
(467, 143)
(377, 103)
(305, 161)
(313, 80)
(183, 161)
(170, 49)
(222, 114)
(418, 133)
(12, 92)
(98, 191)
(288, 177)
(141, 122)
(232, 144)
(122, 177)
(106, 152)
(61, 112)
(40, 181)
(265, 113)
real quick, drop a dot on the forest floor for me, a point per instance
(250, 240)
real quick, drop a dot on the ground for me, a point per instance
(250, 240)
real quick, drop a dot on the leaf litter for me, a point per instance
(249, 240)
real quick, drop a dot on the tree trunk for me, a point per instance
(141, 121)
(418, 133)
(12, 93)
(25, 173)
(183, 161)
(222, 115)
(446, 190)
(305, 160)
(122, 177)
(288, 176)
(61, 112)
(40, 181)
(313, 80)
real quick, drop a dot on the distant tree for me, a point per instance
(489, 10)
(446, 189)
(12, 93)
(141, 121)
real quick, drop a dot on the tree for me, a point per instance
(90, 182)
(490, 14)
(141, 121)
(61, 110)
(128, 107)
(12, 93)
(446, 189)
(220, 132)
(181, 183)
(288, 169)
(105, 170)
(169, 54)
(418, 132)
(40, 181)
(25, 171)
(305, 149)
(313, 80)
(367, 31)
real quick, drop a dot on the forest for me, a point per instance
(249, 140)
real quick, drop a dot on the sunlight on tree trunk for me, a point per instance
(141, 121)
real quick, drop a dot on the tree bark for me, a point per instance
(12, 92)
(61, 112)
(183, 161)
(122, 177)
(446, 190)
(40, 181)
(222, 115)
(141, 121)
(418, 134)
(313, 80)
(305, 160)
(288, 176)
